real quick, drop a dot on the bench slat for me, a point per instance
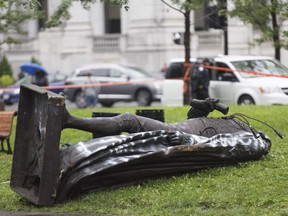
(6, 122)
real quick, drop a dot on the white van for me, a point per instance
(242, 85)
(248, 80)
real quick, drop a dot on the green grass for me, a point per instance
(253, 188)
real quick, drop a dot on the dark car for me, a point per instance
(176, 68)
(118, 83)
(10, 94)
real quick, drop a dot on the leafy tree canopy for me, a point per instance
(184, 5)
(34, 60)
(12, 14)
(5, 67)
(266, 15)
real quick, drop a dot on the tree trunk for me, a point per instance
(187, 36)
(187, 56)
(223, 23)
(275, 27)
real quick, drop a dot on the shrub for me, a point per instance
(34, 60)
(5, 67)
(6, 80)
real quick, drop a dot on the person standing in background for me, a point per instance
(91, 91)
(20, 75)
(40, 78)
(164, 70)
(200, 81)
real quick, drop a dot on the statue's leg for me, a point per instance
(202, 108)
(125, 122)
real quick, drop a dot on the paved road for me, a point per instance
(15, 106)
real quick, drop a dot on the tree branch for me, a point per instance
(174, 8)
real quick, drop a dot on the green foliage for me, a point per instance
(259, 14)
(6, 80)
(186, 5)
(120, 3)
(6, 73)
(252, 188)
(34, 60)
(5, 67)
(62, 12)
(12, 15)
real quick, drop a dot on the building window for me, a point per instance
(112, 19)
(207, 17)
(43, 7)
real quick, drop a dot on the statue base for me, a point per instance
(35, 166)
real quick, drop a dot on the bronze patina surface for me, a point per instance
(45, 174)
(35, 168)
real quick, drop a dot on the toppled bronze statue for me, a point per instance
(45, 174)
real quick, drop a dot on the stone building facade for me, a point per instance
(142, 36)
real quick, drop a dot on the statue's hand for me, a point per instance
(174, 137)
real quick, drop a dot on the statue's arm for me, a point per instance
(181, 138)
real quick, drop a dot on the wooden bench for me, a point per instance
(6, 122)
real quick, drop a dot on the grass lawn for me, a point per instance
(253, 188)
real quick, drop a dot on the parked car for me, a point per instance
(11, 94)
(234, 81)
(118, 83)
(176, 68)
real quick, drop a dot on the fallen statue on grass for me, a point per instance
(45, 174)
